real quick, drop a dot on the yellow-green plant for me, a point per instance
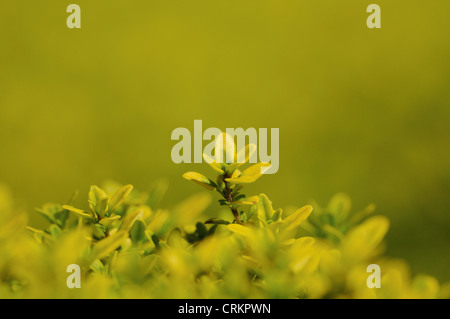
(127, 246)
(230, 180)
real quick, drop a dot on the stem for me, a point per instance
(229, 197)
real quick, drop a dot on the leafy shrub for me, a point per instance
(129, 247)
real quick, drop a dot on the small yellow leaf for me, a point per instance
(265, 210)
(130, 218)
(77, 211)
(200, 179)
(361, 242)
(119, 196)
(98, 200)
(241, 230)
(189, 210)
(109, 220)
(250, 174)
(247, 201)
(105, 246)
(301, 214)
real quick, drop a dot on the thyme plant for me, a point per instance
(128, 246)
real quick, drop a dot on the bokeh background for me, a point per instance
(360, 111)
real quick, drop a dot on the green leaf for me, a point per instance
(252, 200)
(105, 246)
(241, 230)
(73, 197)
(277, 215)
(107, 221)
(293, 220)
(367, 236)
(327, 219)
(155, 240)
(61, 217)
(332, 233)
(340, 205)
(360, 216)
(265, 210)
(212, 230)
(79, 212)
(54, 213)
(130, 218)
(223, 202)
(253, 214)
(55, 231)
(40, 233)
(97, 266)
(137, 232)
(98, 200)
(157, 193)
(190, 209)
(216, 221)
(201, 230)
(99, 231)
(119, 196)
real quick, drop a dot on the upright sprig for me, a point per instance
(230, 180)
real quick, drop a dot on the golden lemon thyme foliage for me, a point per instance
(231, 179)
(127, 246)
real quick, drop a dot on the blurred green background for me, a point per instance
(360, 111)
